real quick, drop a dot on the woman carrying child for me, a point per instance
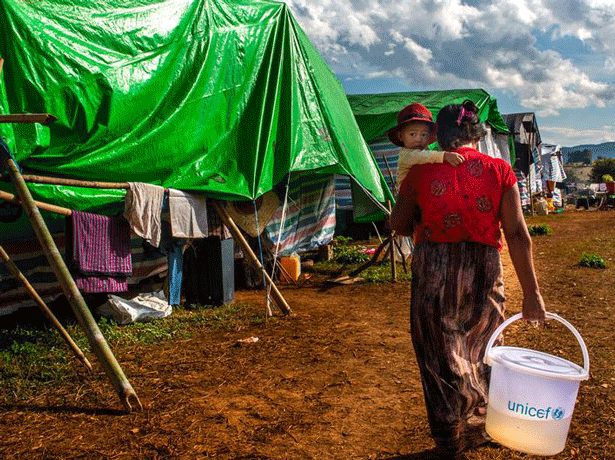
(457, 298)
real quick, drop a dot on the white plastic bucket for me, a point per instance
(532, 394)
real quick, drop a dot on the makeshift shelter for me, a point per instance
(220, 99)
(377, 113)
(548, 171)
(524, 131)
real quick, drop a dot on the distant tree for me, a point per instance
(580, 156)
(600, 168)
(571, 177)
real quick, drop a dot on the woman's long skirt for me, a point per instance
(457, 303)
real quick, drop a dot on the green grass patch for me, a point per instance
(34, 356)
(380, 274)
(592, 261)
(539, 229)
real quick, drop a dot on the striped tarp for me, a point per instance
(32, 262)
(310, 215)
(386, 154)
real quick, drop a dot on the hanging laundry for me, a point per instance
(98, 252)
(188, 215)
(142, 209)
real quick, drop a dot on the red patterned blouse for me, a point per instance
(459, 203)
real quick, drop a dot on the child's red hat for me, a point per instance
(412, 112)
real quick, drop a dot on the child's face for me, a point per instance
(415, 135)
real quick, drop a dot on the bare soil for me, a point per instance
(336, 379)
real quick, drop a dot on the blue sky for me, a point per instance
(555, 58)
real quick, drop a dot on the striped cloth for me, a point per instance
(385, 153)
(147, 262)
(100, 252)
(310, 215)
(101, 244)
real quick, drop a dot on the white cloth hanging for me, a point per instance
(188, 215)
(142, 210)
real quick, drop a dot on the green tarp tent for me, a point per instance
(377, 113)
(219, 97)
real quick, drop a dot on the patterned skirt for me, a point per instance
(457, 302)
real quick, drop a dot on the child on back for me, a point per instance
(415, 130)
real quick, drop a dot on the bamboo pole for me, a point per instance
(44, 308)
(43, 118)
(401, 253)
(393, 182)
(251, 256)
(44, 206)
(374, 258)
(70, 182)
(392, 247)
(84, 316)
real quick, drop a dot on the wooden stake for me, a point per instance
(44, 308)
(226, 218)
(44, 206)
(82, 312)
(70, 182)
(393, 259)
(374, 258)
(42, 118)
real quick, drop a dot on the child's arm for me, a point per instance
(453, 158)
(408, 158)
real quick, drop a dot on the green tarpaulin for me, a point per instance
(377, 113)
(219, 97)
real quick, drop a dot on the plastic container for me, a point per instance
(292, 267)
(532, 394)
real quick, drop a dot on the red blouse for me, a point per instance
(459, 203)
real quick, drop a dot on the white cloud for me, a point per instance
(574, 136)
(436, 44)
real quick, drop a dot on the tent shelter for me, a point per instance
(222, 98)
(377, 113)
(526, 135)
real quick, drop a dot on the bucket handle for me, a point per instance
(548, 315)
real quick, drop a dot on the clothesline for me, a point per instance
(282, 304)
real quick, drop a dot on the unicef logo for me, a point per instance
(558, 413)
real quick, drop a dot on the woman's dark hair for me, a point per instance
(458, 124)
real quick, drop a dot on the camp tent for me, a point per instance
(526, 136)
(377, 113)
(221, 98)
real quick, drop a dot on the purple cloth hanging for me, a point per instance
(100, 258)
(101, 244)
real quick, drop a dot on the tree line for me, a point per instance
(600, 168)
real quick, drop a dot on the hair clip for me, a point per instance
(463, 113)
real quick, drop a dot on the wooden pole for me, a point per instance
(226, 218)
(42, 118)
(393, 259)
(374, 258)
(82, 312)
(44, 308)
(70, 182)
(386, 162)
(44, 206)
(401, 253)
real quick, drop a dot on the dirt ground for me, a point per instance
(337, 379)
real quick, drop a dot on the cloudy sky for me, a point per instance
(555, 58)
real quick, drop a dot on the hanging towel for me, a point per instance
(188, 215)
(98, 252)
(142, 210)
(101, 244)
